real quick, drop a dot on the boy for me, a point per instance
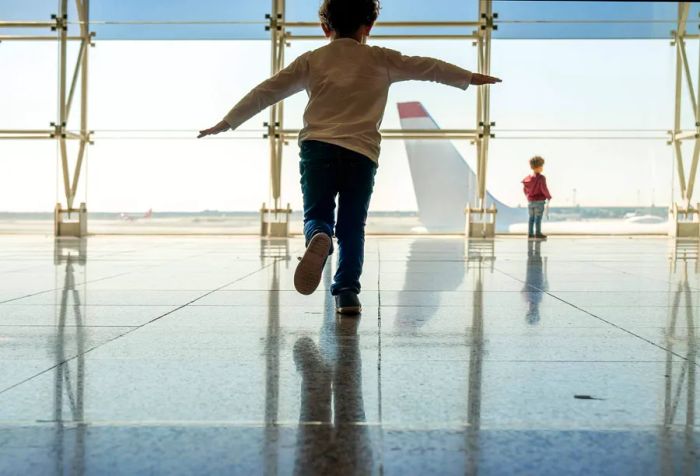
(347, 83)
(537, 193)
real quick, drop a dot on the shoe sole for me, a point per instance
(349, 310)
(309, 270)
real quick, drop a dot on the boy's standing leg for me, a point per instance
(318, 170)
(539, 213)
(355, 186)
(531, 220)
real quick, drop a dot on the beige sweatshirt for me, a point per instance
(347, 83)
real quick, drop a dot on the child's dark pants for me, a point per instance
(328, 170)
(534, 225)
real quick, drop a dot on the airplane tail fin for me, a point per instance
(442, 180)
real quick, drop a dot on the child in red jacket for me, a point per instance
(537, 193)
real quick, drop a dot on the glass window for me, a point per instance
(28, 95)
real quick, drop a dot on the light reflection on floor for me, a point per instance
(181, 355)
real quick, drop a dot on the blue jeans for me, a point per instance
(328, 171)
(534, 224)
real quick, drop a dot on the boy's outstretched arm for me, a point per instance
(290, 80)
(405, 68)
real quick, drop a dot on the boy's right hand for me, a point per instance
(220, 127)
(481, 79)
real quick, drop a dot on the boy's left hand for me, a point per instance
(481, 79)
(220, 127)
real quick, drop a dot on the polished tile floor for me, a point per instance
(179, 355)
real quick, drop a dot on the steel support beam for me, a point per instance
(402, 134)
(396, 24)
(34, 38)
(63, 225)
(480, 220)
(71, 179)
(685, 218)
(275, 220)
(395, 37)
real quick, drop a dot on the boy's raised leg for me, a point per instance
(318, 186)
(307, 276)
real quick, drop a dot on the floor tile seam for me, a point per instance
(46, 291)
(380, 399)
(396, 361)
(515, 425)
(130, 331)
(141, 268)
(53, 326)
(291, 290)
(101, 305)
(650, 278)
(602, 319)
(539, 361)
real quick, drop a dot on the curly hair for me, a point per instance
(536, 161)
(346, 16)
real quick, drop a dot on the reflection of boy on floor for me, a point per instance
(535, 282)
(537, 193)
(347, 83)
(333, 437)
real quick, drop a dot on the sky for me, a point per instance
(604, 19)
(148, 98)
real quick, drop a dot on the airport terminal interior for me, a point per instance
(149, 321)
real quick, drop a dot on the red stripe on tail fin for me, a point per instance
(411, 109)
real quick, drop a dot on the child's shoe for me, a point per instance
(308, 273)
(541, 237)
(347, 302)
(530, 236)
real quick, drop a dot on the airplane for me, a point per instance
(126, 217)
(443, 182)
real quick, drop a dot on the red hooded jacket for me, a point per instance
(535, 188)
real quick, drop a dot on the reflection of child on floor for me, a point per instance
(535, 282)
(537, 193)
(332, 437)
(347, 82)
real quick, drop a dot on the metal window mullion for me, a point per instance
(398, 37)
(486, 116)
(483, 119)
(277, 59)
(279, 115)
(83, 12)
(479, 122)
(677, 102)
(679, 166)
(74, 81)
(394, 24)
(693, 172)
(27, 24)
(62, 110)
(64, 168)
(688, 78)
(34, 38)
